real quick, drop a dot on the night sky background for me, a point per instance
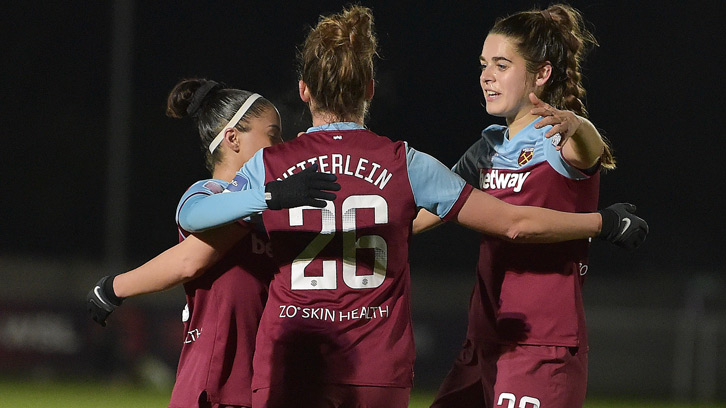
(655, 88)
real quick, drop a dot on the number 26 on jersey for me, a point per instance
(351, 244)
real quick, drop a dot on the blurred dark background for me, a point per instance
(92, 169)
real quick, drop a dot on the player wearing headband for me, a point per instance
(225, 271)
(336, 330)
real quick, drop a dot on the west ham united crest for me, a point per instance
(525, 156)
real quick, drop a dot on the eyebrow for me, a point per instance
(495, 59)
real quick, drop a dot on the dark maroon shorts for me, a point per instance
(492, 375)
(332, 396)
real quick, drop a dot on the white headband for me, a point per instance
(233, 122)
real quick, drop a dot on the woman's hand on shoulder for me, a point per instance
(564, 123)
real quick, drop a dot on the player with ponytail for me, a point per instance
(225, 271)
(526, 343)
(336, 330)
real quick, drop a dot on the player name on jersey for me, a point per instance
(343, 164)
(494, 180)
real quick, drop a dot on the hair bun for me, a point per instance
(199, 95)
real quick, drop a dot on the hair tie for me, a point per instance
(199, 95)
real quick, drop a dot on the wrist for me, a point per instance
(272, 192)
(109, 292)
(609, 223)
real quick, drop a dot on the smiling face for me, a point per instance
(504, 79)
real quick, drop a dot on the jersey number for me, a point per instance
(511, 399)
(350, 245)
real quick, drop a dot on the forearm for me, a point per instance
(491, 216)
(168, 269)
(541, 225)
(207, 212)
(585, 146)
(179, 264)
(425, 221)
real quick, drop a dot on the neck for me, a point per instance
(224, 171)
(519, 122)
(324, 118)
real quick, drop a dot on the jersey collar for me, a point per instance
(336, 126)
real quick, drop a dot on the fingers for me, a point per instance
(311, 169)
(634, 238)
(317, 203)
(324, 177)
(559, 125)
(322, 195)
(324, 181)
(325, 185)
(551, 120)
(545, 112)
(535, 100)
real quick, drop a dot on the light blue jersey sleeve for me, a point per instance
(244, 196)
(435, 187)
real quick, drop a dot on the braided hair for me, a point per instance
(556, 35)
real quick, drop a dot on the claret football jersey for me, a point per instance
(338, 310)
(223, 310)
(529, 293)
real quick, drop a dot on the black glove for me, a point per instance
(101, 300)
(622, 227)
(304, 188)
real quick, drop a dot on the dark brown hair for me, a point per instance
(212, 106)
(556, 34)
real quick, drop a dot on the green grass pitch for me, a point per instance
(32, 394)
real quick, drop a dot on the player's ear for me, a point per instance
(370, 89)
(543, 74)
(304, 91)
(232, 139)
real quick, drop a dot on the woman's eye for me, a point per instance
(482, 66)
(502, 67)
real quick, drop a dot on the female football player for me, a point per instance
(336, 330)
(225, 271)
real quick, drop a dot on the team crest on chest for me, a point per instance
(525, 156)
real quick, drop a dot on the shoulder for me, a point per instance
(203, 188)
(493, 134)
(492, 137)
(208, 186)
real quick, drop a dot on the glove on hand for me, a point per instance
(622, 227)
(101, 300)
(304, 188)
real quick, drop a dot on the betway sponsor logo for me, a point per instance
(494, 180)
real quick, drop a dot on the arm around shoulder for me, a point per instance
(491, 216)
(183, 262)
